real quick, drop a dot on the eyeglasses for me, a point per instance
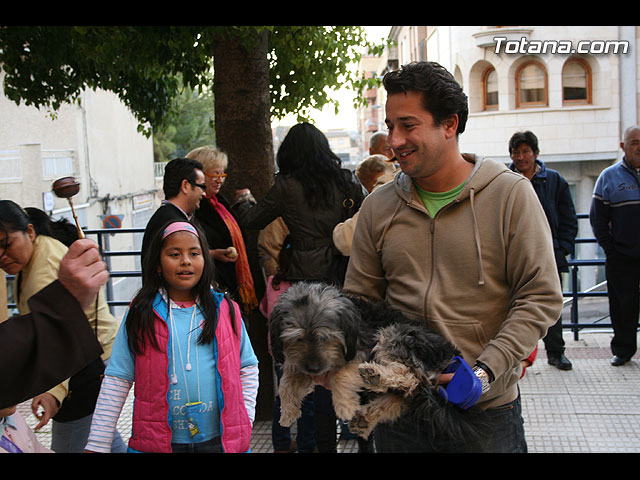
(201, 185)
(216, 176)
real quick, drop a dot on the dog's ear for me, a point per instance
(350, 325)
(275, 329)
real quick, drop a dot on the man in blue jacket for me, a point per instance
(554, 195)
(615, 220)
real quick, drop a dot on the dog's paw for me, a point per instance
(369, 375)
(372, 378)
(360, 426)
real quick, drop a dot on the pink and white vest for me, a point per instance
(151, 430)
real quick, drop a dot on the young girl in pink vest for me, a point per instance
(185, 347)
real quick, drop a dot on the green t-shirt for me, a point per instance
(434, 201)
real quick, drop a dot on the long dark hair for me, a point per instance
(62, 230)
(284, 261)
(306, 155)
(140, 319)
(14, 218)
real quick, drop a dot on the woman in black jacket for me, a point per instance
(312, 194)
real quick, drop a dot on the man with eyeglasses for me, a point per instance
(184, 187)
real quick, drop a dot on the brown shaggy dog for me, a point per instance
(382, 365)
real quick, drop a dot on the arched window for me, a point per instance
(490, 89)
(531, 85)
(576, 82)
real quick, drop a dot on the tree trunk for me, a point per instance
(243, 132)
(242, 114)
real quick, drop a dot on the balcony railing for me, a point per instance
(572, 296)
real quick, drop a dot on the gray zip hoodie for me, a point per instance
(482, 272)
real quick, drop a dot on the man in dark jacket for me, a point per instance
(553, 191)
(183, 187)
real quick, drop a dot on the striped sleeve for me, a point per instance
(249, 377)
(112, 397)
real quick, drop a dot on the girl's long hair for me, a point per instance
(306, 155)
(141, 317)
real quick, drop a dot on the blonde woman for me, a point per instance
(225, 239)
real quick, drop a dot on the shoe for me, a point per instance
(616, 361)
(293, 447)
(560, 361)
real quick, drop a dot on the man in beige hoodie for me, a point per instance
(461, 243)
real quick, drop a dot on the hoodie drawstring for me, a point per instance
(386, 227)
(476, 235)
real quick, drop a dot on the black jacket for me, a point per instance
(41, 349)
(313, 253)
(218, 236)
(554, 195)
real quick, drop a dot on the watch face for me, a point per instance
(483, 376)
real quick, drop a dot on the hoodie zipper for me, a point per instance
(421, 208)
(432, 228)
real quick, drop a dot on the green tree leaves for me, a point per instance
(48, 66)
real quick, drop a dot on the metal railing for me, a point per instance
(107, 254)
(572, 296)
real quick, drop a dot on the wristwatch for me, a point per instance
(483, 376)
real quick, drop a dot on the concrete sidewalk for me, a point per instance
(593, 408)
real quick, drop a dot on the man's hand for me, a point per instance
(445, 378)
(223, 255)
(243, 195)
(49, 410)
(83, 272)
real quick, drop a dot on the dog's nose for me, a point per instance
(312, 368)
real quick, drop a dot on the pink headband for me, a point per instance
(179, 227)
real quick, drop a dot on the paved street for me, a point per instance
(594, 408)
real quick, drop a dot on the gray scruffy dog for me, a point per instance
(382, 365)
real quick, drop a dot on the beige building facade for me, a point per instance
(575, 87)
(97, 142)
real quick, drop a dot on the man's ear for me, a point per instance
(450, 126)
(184, 186)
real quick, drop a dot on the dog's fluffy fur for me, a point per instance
(382, 366)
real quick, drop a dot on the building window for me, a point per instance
(576, 82)
(531, 85)
(10, 166)
(57, 163)
(490, 89)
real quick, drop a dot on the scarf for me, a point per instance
(243, 273)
